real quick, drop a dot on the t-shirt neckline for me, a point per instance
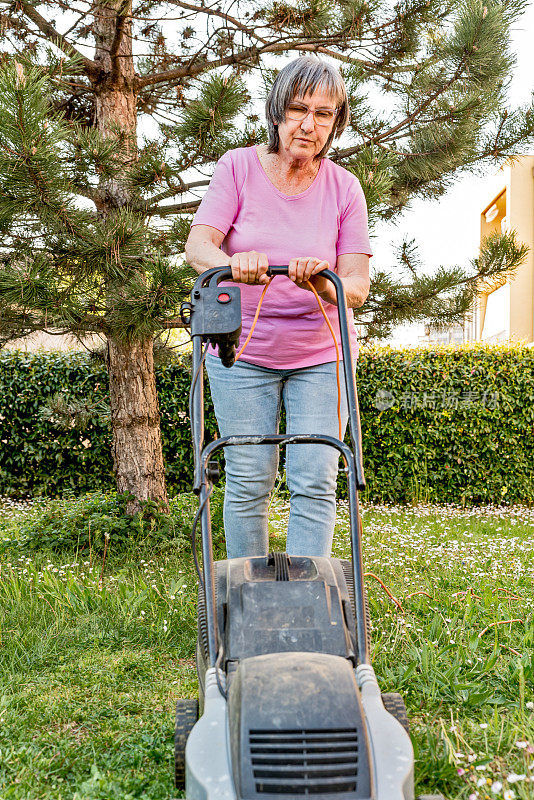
(275, 189)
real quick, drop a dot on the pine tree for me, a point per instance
(94, 215)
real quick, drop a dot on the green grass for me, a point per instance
(90, 671)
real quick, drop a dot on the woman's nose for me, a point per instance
(308, 123)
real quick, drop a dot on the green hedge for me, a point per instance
(451, 424)
(469, 435)
(37, 457)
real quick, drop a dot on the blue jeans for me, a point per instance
(247, 400)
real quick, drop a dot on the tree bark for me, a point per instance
(135, 418)
(137, 452)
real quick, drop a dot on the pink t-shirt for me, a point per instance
(325, 221)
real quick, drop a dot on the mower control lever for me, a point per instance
(215, 314)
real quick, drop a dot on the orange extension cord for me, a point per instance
(245, 343)
(254, 321)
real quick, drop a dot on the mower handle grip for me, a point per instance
(217, 274)
(284, 270)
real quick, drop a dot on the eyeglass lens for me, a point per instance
(322, 116)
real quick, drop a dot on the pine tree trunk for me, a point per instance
(135, 418)
(137, 452)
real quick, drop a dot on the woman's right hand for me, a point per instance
(250, 267)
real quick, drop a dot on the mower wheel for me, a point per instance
(186, 716)
(394, 704)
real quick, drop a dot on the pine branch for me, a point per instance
(16, 324)
(174, 322)
(176, 208)
(90, 67)
(172, 191)
(216, 12)
(408, 120)
(251, 54)
(66, 413)
(443, 298)
(81, 15)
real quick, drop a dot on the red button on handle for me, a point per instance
(223, 297)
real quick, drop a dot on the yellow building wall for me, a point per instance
(521, 219)
(515, 202)
(486, 229)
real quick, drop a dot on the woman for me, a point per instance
(285, 203)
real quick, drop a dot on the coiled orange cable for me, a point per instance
(256, 315)
(247, 340)
(254, 321)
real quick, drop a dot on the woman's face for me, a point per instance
(303, 140)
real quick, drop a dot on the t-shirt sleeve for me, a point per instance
(219, 206)
(353, 230)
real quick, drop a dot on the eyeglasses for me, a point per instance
(321, 116)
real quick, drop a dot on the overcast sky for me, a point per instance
(447, 230)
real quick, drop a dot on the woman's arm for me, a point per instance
(203, 248)
(352, 268)
(203, 251)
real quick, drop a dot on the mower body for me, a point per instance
(300, 719)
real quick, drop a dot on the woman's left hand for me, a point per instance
(306, 269)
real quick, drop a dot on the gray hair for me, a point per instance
(300, 77)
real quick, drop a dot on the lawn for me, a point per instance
(95, 652)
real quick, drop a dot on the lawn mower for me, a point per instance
(290, 703)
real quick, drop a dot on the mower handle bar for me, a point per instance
(353, 458)
(218, 274)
